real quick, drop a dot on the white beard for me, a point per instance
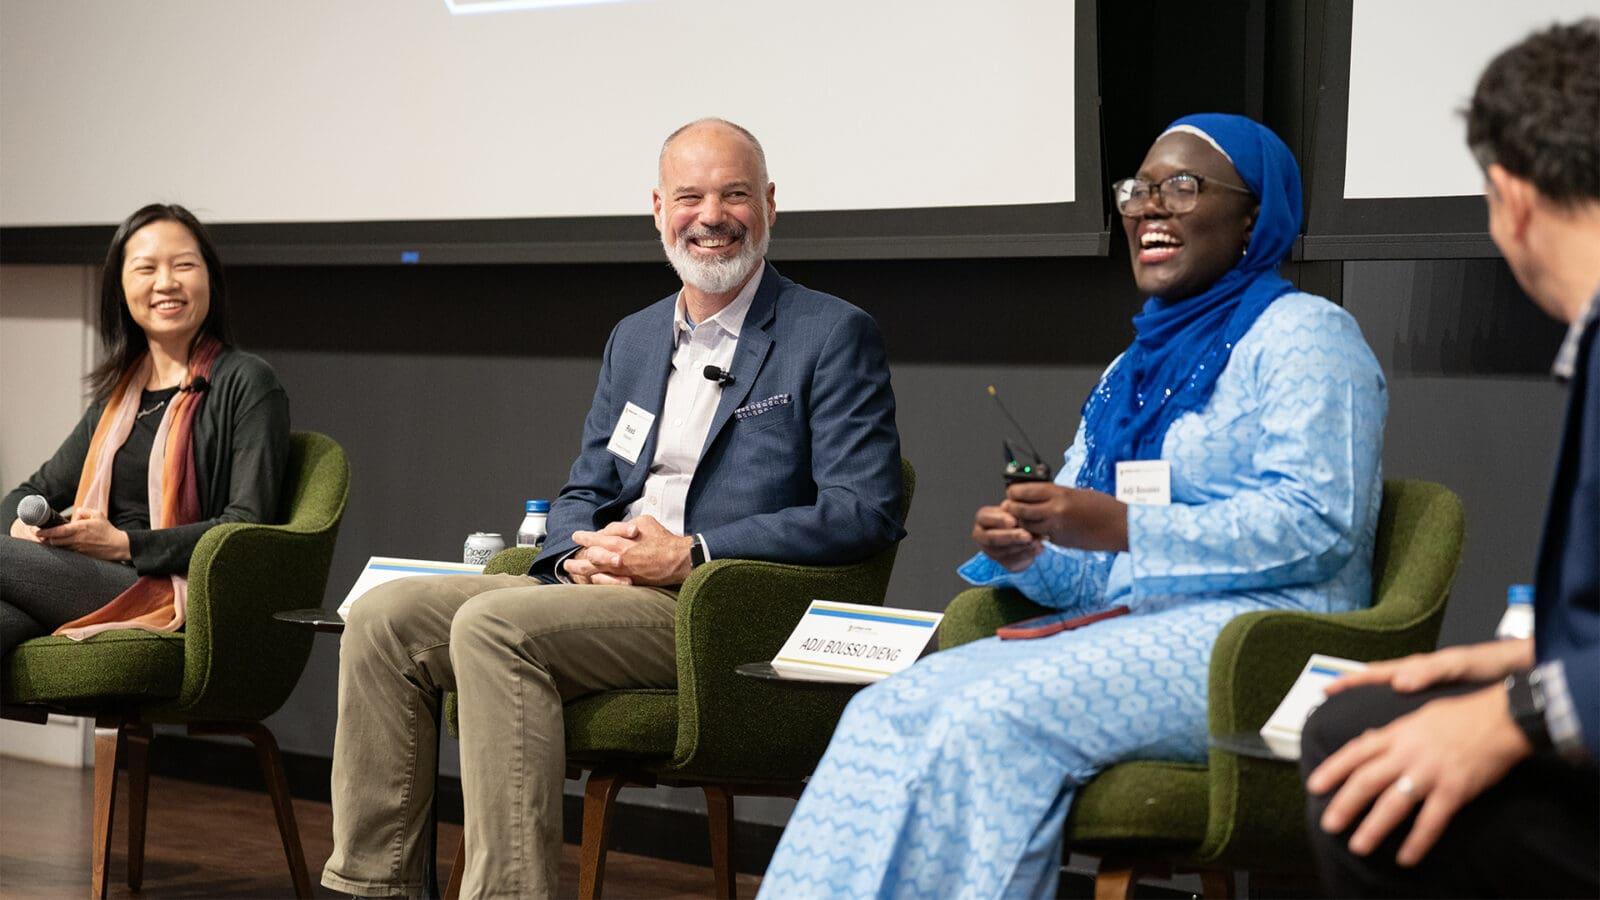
(718, 275)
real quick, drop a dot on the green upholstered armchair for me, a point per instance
(721, 732)
(230, 667)
(1237, 812)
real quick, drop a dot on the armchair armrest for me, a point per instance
(511, 561)
(238, 662)
(980, 612)
(735, 611)
(1256, 658)
(1259, 655)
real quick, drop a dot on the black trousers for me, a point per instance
(43, 588)
(1535, 834)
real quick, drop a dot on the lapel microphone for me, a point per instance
(721, 376)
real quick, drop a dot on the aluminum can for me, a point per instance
(480, 546)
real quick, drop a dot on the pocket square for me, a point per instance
(751, 410)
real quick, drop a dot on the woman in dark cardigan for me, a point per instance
(185, 432)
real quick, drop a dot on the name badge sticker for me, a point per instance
(1145, 481)
(633, 427)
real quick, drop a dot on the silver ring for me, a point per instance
(1405, 785)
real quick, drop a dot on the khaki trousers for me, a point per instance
(515, 650)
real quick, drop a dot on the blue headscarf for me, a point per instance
(1183, 345)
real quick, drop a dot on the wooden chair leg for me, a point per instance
(271, 762)
(599, 799)
(1216, 884)
(282, 805)
(1114, 883)
(719, 813)
(1116, 877)
(137, 745)
(452, 891)
(108, 745)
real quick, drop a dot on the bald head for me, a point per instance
(715, 131)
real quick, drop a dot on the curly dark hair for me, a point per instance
(1536, 111)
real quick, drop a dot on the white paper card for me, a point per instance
(1282, 731)
(633, 426)
(1145, 481)
(380, 569)
(855, 643)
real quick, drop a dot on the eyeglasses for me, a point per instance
(1178, 193)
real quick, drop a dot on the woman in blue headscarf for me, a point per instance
(1256, 413)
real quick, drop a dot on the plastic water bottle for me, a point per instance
(532, 532)
(1518, 620)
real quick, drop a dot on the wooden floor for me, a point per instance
(205, 841)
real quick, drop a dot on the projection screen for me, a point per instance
(526, 130)
(1393, 176)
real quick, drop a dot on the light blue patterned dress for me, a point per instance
(954, 778)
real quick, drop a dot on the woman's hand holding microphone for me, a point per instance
(89, 532)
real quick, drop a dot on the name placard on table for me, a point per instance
(855, 643)
(1282, 731)
(380, 569)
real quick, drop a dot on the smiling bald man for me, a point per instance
(786, 452)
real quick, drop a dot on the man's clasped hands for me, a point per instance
(639, 551)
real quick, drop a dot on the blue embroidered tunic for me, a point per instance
(955, 777)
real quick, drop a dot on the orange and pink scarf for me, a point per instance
(154, 602)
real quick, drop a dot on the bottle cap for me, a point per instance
(1518, 594)
(538, 506)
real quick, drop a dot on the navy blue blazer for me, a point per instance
(1566, 613)
(813, 481)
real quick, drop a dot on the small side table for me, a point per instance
(1252, 744)
(765, 672)
(325, 621)
(330, 622)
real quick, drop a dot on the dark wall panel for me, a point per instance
(1471, 405)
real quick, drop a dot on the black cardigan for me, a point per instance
(241, 450)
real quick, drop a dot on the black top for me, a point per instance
(241, 451)
(130, 469)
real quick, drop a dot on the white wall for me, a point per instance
(46, 346)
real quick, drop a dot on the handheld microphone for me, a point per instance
(35, 510)
(721, 376)
(1018, 470)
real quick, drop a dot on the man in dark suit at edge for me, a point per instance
(786, 451)
(1472, 771)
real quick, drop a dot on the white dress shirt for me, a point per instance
(689, 407)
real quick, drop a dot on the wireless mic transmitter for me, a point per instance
(1019, 470)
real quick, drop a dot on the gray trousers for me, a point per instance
(515, 650)
(43, 588)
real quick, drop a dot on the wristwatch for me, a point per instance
(697, 552)
(1525, 700)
